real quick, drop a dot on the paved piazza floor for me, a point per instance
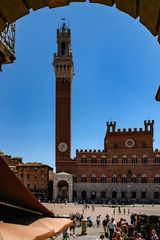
(94, 232)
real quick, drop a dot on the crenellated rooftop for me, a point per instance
(89, 151)
(148, 127)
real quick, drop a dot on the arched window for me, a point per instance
(63, 48)
(156, 195)
(93, 195)
(144, 144)
(144, 159)
(115, 159)
(134, 159)
(133, 195)
(103, 194)
(124, 194)
(143, 195)
(157, 159)
(114, 179)
(74, 178)
(103, 179)
(157, 178)
(144, 179)
(124, 179)
(103, 159)
(83, 159)
(124, 159)
(133, 179)
(93, 178)
(74, 194)
(114, 194)
(83, 195)
(93, 159)
(83, 178)
(115, 145)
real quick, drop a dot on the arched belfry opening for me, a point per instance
(63, 48)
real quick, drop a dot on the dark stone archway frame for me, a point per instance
(148, 11)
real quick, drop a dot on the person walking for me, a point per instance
(98, 220)
(104, 223)
(111, 226)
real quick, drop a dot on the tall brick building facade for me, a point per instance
(128, 168)
(36, 177)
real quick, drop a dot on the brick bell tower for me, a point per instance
(63, 67)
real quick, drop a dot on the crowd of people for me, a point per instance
(123, 230)
(112, 230)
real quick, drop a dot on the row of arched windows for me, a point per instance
(114, 195)
(115, 160)
(116, 179)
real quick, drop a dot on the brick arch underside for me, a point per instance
(148, 11)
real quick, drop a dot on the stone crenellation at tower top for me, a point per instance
(148, 126)
(89, 150)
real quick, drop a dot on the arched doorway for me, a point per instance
(63, 187)
(156, 195)
(63, 190)
(93, 195)
(83, 195)
(114, 194)
(143, 195)
(133, 195)
(124, 195)
(103, 195)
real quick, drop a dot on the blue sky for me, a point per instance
(116, 62)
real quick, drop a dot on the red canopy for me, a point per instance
(14, 197)
(22, 216)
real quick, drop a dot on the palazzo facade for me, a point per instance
(127, 168)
